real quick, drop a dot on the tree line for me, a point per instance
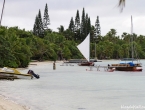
(18, 47)
(77, 29)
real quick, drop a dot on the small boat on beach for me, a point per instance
(12, 73)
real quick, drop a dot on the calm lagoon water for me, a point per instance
(74, 88)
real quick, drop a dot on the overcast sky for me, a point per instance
(22, 13)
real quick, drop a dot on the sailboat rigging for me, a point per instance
(129, 64)
(84, 48)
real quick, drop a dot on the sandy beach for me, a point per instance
(58, 89)
(6, 104)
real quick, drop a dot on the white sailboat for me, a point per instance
(84, 48)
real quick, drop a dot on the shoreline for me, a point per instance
(7, 104)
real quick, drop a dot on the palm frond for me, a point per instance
(121, 4)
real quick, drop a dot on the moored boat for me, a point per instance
(132, 63)
(84, 48)
(86, 64)
(128, 64)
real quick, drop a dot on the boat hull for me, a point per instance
(86, 64)
(110, 69)
(6, 75)
(128, 68)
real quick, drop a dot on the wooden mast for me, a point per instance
(132, 48)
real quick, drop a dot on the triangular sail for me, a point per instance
(84, 47)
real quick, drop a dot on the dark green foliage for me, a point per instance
(83, 26)
(38, 29)
(18, 47)
(77, 34)
(77, 21)
(35, 28)
(40, 26)
(61, 29)
(46, 20)
(17, 51)
(88, 25)
(71, 25)
(68, 34)
(13, 50)
(97, 30)
(6, 56)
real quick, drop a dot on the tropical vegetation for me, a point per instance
(18, 46)
(121, 4)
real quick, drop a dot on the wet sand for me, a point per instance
(6, 104)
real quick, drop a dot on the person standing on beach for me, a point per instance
(54, 66)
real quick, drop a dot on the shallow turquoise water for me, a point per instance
(74, 88)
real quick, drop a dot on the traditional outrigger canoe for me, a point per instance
(12, 73)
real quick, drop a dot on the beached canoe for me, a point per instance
(12, 73)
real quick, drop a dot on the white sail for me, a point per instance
(84, 48)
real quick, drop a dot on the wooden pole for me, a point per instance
(2, 12)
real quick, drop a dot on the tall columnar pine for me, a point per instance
(77, 26)
(88, 25)
(35, 28)
(71, 25)
(97, 30)
(40, 25)
(83, 26)
(46, 20)
(77, 21)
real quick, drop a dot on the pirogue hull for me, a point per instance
(12, 73)
(86, 64)
(5, 75)
(129, 68)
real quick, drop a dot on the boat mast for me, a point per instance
(2, 12)
(132, 49)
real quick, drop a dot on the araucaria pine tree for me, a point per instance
(71, 25)
(83, 25)
(35, 28)
(77, 21)
(38, 26)
(88, 25)
(46, 20)
(97, 30)
(77, 26)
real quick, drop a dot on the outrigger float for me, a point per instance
(98, 68)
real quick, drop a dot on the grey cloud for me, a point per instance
(23, 12)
